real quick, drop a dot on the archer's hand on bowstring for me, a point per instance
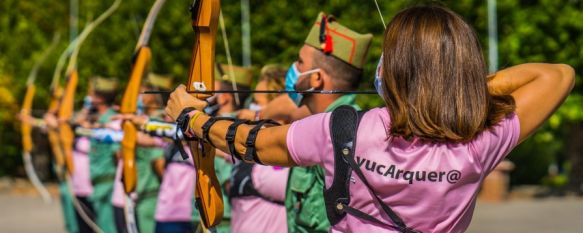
(51, 121)
(271, 143)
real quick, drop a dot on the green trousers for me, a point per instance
(103, 207)
(145, 213)
(68, 208)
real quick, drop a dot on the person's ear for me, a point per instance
(224, 99)
(317, 80)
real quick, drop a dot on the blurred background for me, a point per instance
(542, 179)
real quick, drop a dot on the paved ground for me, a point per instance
(21, 213)
(28, 214)
(547, 215)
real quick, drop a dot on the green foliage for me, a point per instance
(529, 31)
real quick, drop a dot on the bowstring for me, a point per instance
(380, 14)
(229, 59)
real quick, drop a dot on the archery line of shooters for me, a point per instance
(263, 198)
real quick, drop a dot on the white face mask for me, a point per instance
(255, 107)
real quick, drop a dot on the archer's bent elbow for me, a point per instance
(567, 76)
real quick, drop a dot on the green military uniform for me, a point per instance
(306, 211)
(102, 169)
(68, 208)
(147, 187)
(103, 165)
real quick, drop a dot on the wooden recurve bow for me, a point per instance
(129, 103)
(66, 109)
(56, 93)
(209, 200)
(26, 128)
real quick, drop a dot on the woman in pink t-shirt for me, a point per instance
(444, 128)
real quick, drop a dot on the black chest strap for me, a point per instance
(242, 182)
(344, 123)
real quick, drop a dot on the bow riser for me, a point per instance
(209, 197)
(52, 133)
(207, 189)
(66, 134)
(130, 106)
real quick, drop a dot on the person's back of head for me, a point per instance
(435, 79)
(272, 77)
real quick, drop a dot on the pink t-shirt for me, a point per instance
(81, 180)
(431, 186)
(255, 214)
(118, 195)
(175, 198)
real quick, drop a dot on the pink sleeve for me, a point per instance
(492, 146)
(270, 181)
(307, 139)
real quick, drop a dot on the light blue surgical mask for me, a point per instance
(87, 102)
(291, 79)
(140, 105)
(255, 107)
(378, 85)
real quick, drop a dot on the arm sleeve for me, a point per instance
(308, 138)
(492, 145)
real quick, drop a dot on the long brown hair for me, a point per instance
(434, 75)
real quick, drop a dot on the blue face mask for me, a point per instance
(87, 102)
(291, 78)
(140, 105)
(378, 85)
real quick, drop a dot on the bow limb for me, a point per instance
(129, 104)
(26, 128)
(66, 109)
(209, 199)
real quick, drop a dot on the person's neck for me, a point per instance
(102, 110)
(318, 103)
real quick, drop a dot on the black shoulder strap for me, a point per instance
(242, 182)
(344, 123)
(171, 155)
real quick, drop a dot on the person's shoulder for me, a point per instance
(379, 114)
(507, 123)
(506, 131)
